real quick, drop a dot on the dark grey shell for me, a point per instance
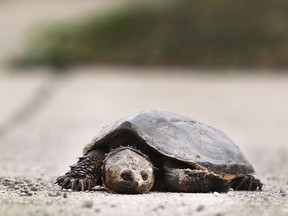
(180, 138)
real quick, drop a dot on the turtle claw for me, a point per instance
(89, 185)
(63, 181)
(82, 184)
(66, 183)
(259, 184)
(73, 185)
(85, 174)
(60, 179)
(247, 182)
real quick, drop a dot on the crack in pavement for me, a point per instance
(38, 101)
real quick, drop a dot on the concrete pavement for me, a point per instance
(46, 119)
(64, 112)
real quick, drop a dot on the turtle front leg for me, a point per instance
(85, 174)
(192, 180)
(247, 182)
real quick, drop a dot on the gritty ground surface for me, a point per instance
(46, 119)
(44, 131)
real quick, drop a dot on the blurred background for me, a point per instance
(68, 68)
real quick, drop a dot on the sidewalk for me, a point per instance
(62, 113)
(46, 119)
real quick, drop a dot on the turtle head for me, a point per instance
(127, 170)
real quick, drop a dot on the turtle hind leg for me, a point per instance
(193, 181)
(85, 174)
(247, 182)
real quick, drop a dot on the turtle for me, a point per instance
(160, 151)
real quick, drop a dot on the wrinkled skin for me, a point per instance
(127, 170)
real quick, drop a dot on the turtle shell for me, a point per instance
(177, 137)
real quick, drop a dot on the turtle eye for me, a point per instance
(144, 175)
(127, 175)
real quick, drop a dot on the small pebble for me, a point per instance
(28, 181)
(200, 208)
(33, 188)
(50, 194)
(24, 190)
(12, 184)
(65, 195)
(25, 194)
(87, 204)
(58, 193)
(282, 193)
